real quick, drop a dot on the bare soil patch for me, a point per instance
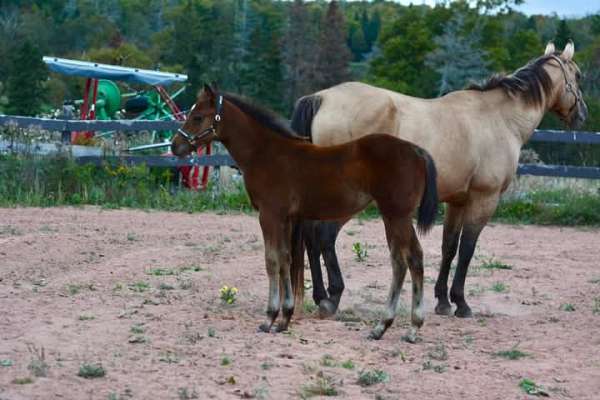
(138, 293)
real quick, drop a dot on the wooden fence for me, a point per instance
(567, 171)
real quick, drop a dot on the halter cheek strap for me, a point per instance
(568, 84)
(211, 130)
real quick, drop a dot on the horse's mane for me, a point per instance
(263, 116)
(531, 81)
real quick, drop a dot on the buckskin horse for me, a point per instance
(287, 179)
(473, 135)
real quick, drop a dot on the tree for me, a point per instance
(299, 58)
(401, 64)
(458, 57)
(333, 53)
(25, 89)
(563, 35)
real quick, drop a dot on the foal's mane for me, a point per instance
(263, 116)
(531, 81)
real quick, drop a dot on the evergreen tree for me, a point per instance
(457, 58)
(25, 83)
(401, 64)
(563, 35)
(333, 53)
(299, 57)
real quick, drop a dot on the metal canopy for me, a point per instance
(112, 72)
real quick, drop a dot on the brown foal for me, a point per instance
(288, 179)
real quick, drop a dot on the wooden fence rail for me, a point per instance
(567, 171)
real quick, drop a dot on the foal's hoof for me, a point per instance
(281, 327)
(326, 309)
(443, 309)
(264, 328)
(463, 312)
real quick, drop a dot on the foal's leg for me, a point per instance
(452, 227)
(328, 233)
(398, 234)
(277, 238)
(415, 267)
(477, 214)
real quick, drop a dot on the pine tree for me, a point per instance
(333, 53)
(25, 83)
(457, 58)
(563, 35)
(299, 58)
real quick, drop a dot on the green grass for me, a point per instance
(499, 287)
(46, 181)
(372, 377)
(90, 371)
(512, 354)
(22, 381)
(58, 181)
(348, 364)
(532, 388)
(492, 263)
(551, 207)
(567, 307)
(322, 386)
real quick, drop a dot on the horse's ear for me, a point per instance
(569, 51)
(550, 49)
(214, 86)
(209, 90)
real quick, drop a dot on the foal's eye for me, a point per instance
(197, 118)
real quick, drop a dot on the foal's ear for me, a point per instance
(550, 49)
(209, 90)
(569, 51)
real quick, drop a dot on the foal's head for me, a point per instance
(201, 125)
(568, 104)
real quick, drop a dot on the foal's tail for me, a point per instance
(304, 112)
(429, 202)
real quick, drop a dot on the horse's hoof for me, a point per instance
(326, 309)
(264, 328)
(376, 334)
(281, 327)
(463, 312)
(443, 309)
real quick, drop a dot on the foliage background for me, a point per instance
(276, 51)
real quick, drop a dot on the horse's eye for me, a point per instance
(197, 118)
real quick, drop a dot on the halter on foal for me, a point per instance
(288, 179)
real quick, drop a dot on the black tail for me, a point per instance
(429, 202)
(304, 112)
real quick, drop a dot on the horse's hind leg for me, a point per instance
(477, 214)
(452, 227)
(313, 249)
(328, 233)
(398, 234)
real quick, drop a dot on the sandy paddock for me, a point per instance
(75, 284)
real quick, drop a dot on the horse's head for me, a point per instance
(568, 100)
(200, 127)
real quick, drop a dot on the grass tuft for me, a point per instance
(372, 377)
(91, 370)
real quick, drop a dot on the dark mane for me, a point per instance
(263, 116)
(531, 81)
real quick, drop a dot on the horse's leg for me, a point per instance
(277, 238)
(477, 214)
(328, 233)
(311, 240)
(398, 234)
(452, 227)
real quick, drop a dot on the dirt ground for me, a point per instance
(138, 292)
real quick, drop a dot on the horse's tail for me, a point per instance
(429, 202)
(304, 112)
(297, 266)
